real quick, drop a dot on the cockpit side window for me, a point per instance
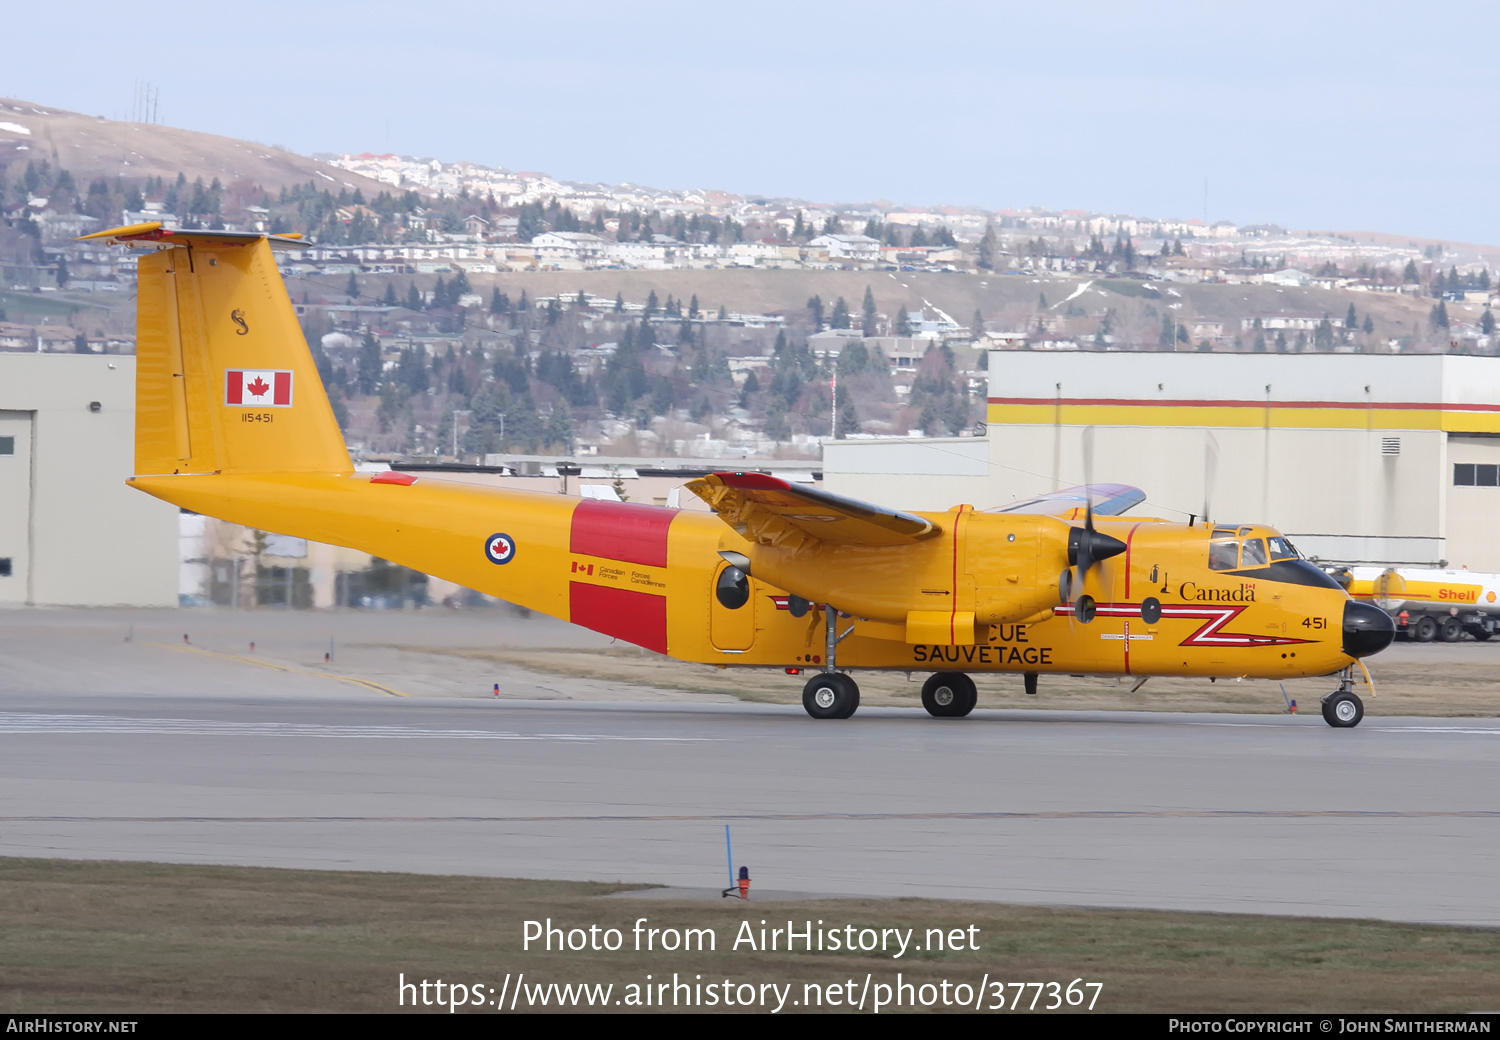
(1223, 555)
(1254, 553)
(1281, 549)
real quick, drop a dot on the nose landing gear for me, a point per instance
(1342, 709)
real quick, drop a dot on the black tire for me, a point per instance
(1424, 630)
(1481, 634)
(830, 695)
(1343, 710)
(1451, 630)
(949, 695)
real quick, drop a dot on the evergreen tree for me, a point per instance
(389, 300)
(751, 386)
(1323, 334)
(815, 305)
(352, 289)
(559, 429)
(413, 298)
(81, 343)
(693, 311)
(369, 366)
(1487, 322)
(1410, 275)
(848, 420)
(840, 319)
(652, 304)
(1351, 321)
(903, 322)
(989, 248)
(619, 303)
(868, 324)
(1369, 325)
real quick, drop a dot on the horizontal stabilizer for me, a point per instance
(768, 509)
(152, 231)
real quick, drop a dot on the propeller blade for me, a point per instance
(1210, 471)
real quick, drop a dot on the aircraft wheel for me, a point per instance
(1425, 630)
(949, 695)
(1343, 710)
(1451, 630)
(830, 695)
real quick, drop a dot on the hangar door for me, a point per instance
(15, 506)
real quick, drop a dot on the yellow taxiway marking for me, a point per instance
(285, 668)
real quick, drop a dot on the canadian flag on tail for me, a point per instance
(258, 388)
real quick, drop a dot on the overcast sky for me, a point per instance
(1350, 116)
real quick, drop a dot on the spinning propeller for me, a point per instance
(1086, 545)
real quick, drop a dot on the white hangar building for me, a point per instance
(71, 532)
(1358, 458)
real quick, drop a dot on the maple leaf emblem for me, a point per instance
(259, 387)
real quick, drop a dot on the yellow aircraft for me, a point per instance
(232, 422)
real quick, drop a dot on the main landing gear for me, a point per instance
(831, 694)
(1342, 709)
(949, 695)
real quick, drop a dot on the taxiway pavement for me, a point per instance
(1396, 819)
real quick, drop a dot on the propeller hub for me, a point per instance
(1090, 546)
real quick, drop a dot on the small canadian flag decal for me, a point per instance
(258, 388)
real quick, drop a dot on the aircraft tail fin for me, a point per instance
(224, 380)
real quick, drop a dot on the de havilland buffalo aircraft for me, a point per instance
(232, 421)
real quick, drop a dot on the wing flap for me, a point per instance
(770, 510)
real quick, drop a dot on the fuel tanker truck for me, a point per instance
(1429, 604)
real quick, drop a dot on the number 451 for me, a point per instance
(1314, 622)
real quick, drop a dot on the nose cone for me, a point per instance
(1367, 629)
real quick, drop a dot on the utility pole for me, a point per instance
(833, 420)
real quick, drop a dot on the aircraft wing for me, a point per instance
(1108, 500)
(770, 510)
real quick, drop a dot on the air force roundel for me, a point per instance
(500, 548)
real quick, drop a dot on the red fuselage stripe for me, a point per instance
(621, 531)
(636, 617)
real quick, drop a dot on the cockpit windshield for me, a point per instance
(1238, 548)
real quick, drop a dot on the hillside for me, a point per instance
(92, 146)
